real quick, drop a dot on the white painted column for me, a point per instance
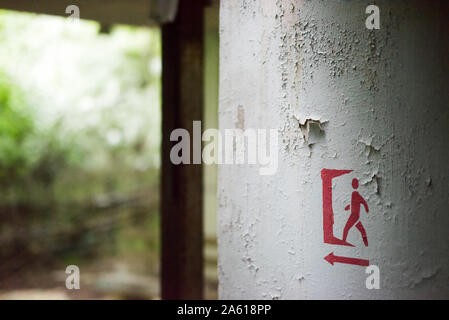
(342, 97)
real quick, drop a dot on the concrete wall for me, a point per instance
(342, 97)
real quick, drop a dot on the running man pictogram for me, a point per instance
(356, 201)
(327, 175)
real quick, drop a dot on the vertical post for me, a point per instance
(349, 103)
(182, 103)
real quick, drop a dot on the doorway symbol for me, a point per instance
(327, 175)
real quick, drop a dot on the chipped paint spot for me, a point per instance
(312, 130)
(240, 124)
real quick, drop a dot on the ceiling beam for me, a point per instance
(133, 12)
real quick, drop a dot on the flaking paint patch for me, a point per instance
(373, 178)
(240, 124)
(370, 146)
(312, 130)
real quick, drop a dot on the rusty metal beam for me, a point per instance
(182, 190)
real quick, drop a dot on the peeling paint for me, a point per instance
(342, 97)
(240, 124)
(312, 130)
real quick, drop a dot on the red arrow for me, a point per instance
(331, 258)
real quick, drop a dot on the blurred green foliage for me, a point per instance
(15, 126)
(79, 140)
(30, 157)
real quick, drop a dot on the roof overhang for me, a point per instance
(133, 12)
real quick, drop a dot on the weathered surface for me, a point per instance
(182, 264)
(342, 97)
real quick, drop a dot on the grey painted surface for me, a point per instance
(381, 100)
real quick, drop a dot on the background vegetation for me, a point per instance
(79, 148)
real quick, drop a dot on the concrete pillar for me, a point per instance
(342, 97)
